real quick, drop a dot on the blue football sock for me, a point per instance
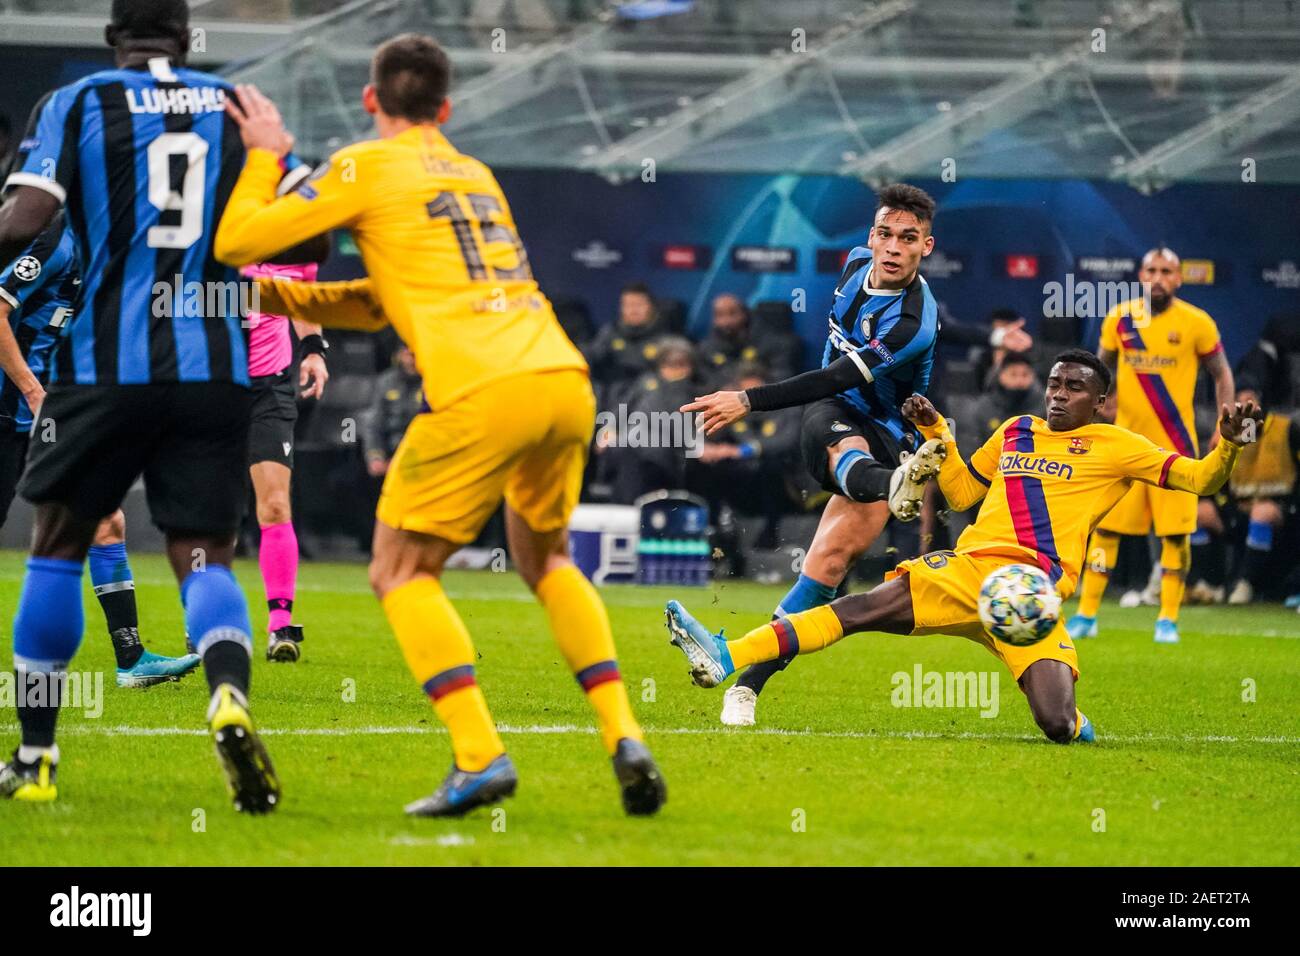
(216, 616)
(47, 633)
(110, 573)
(802, 596)
(805, 595)
(1259, 536)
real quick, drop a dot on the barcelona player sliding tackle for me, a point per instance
(1044, 483)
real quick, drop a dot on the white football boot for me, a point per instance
(738, 705)
(908, 482)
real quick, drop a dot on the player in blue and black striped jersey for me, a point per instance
(884, 324)
(36, 298)
(151, 377)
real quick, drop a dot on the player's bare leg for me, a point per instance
(580, 626)
(1049, 688)
(405, 573)
(277, 557)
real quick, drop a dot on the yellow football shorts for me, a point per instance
(1171, 511)
(524, 438)
(945, 589)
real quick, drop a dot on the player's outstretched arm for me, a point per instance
(1238, 425)
(335, 305)
(717, 410)
(960, 483)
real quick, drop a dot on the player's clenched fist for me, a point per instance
(918, 410)
(1240, 423)
(718, 410)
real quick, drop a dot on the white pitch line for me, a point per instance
(124, 730)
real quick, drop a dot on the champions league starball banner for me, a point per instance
(1027, 245)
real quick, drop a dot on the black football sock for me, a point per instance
(228, 662)
(38, 706)
(110, 573)
(756, 676)
(861, 477)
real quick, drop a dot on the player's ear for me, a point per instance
(369, 99)
(444, 111)
(929, 246)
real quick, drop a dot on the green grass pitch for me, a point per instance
(1188, 769)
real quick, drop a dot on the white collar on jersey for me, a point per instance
(161, 68)
(870, 291)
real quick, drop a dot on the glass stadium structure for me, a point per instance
(1148, 92)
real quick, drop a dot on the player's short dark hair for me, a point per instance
(1088, 360)
(637, 288)
(145, 19)
(411, 75)
(908, 199)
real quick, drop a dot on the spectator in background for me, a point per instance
(730, 342)
(1263, 488)
(654, 455)
(398, 398)
(1268, 363)
(744, 466)
(978, 347)
(1015, 390)
(1006, 336)
(625, 350)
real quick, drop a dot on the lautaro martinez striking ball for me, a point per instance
(1019, 604)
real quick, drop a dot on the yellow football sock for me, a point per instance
(580, 626)
(1101, 558)
(1175, 556)
(440, 654)
(802, 633)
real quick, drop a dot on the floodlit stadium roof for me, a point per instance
(1144, 91)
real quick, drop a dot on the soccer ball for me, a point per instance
(1019, 605)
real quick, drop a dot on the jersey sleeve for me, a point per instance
(1207, 340)
(964, 484)
(337, 305)
(46, 157)
(256, 225)
(1110, 331)
(1139, 458)
(983, 464)
(41, 263)
(906, 338)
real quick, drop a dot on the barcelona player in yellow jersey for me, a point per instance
(510, 408)
(1156, 353)
(1044, 483)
